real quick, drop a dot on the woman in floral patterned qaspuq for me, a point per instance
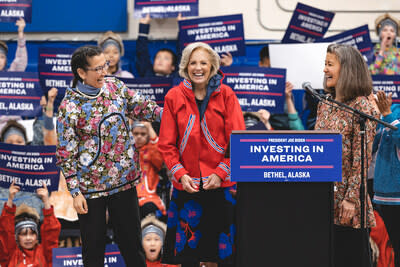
(96, 154)
(348, 81)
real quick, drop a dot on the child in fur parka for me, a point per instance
(19, 235)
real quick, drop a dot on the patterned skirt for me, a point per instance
(201, 227)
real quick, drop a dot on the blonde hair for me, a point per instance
(187, 52)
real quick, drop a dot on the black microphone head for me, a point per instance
(306, 84)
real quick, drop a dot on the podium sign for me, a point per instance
(286, 156)
(290, 215)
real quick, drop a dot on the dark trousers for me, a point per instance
(123, 210)
(349, 247)
(391, 216)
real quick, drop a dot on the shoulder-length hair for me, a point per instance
(354, 78)
(187, 52)
(80, 60)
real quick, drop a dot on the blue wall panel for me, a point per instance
(75, 16)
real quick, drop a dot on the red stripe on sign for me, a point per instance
(47, 154)
(307, 31)
(21, 97)
(19, 5)
(112, 253)
(48, 55)
(30, 80)
(358, 34)
(66, 256)
(220, 40)
(287, 167)
(319, 140)
(253, 140)
(302, 11)
(274, 75)
(258, 93)
(161, 84)
(25, 172)
(166, 2)
(190, 26)
(232, 22)
(365, 49)
(56, 74)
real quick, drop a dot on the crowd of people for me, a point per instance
(159, 178)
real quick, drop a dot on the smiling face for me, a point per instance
(152, 244)
(199, 67)
(331, 70)
(112, 55)
(27, 239)
(92, 77)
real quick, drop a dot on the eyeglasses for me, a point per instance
(100, 69)
(139, 134)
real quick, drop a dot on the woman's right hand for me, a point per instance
(383, 102)
(80, 204)
(188, 184)
(145, 20)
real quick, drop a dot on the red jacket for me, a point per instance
(150, 164)
(41, 256)
(198, 148)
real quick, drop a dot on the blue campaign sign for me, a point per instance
(307, 24)
(389, 84)
(12, 10)
(73, 257)
(154, 88)
(29, 167)
(54, 67)
(166, 8)
(358, 37)
(223, 33)
(257, 88)
(280, 156)
(20, 94)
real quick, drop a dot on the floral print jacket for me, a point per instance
(95, 146)
(332, 118)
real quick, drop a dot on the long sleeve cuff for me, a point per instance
(144, 29)
(48, 122)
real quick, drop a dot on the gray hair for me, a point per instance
(187, 52)
(354, 77)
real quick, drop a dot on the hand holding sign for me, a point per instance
(13, 190)
(21, 26)
(43, 194)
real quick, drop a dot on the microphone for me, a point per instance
(307, 86)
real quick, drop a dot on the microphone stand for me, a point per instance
(362, 117)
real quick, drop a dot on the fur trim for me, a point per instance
(115, 37)
(152, 220)
(24, 211)
(382, 18)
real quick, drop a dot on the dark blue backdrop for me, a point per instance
(75, 16)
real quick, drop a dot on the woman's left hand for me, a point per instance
(347, 212)
(213, 182)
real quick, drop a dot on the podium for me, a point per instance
(285, 196)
